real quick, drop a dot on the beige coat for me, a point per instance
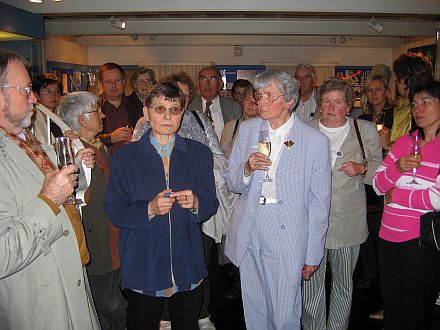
(347, 223)
(42, 282)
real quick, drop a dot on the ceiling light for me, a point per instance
(116, 23)
(376, 25)
(41, 1)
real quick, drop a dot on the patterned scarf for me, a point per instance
(32, 147)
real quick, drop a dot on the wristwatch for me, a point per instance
(365, 163)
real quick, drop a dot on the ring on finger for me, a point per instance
(186, 197)
(258, 164)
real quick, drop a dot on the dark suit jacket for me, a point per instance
(230, 108)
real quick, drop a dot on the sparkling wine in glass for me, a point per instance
(380, 121)
(65, 157)
(264, 146)
(416, 152)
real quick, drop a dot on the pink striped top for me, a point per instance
(401, 218)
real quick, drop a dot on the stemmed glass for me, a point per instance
(65, 157)
(264, 146)
(416, 152)
(380, 121)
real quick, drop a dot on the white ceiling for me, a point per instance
(237, 22)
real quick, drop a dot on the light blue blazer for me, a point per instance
(303, 187)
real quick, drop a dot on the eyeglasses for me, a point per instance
(258, 97)
(25, 90)
(161, 110)
(211, 79)
(145, 81)
(48, 91)
(93, 111)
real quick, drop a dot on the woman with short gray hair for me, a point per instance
(287, 85)
(80, 110)
(356, 152)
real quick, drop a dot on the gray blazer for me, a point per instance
(303, 189)
(230, 108)
(348, 224)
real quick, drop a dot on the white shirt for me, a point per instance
(277, 138)
(337, 137)
(306, 110)
(217, 116)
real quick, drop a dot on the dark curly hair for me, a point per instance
(45, 80)
(414, 69)
(183, 78)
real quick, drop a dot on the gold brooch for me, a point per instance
(289, 144)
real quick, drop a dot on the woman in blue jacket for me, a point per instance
(160, 189)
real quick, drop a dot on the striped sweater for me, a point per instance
(401, 218)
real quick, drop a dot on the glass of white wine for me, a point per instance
(264, 146)
(416, 152)
(65, 157)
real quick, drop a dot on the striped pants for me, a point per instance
(271, 297)
(342, 264)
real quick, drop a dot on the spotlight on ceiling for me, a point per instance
(117, 23)
(376, 25)
(36, 1)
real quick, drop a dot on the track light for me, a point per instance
(41, 1)
(116, 23)
(376, 25)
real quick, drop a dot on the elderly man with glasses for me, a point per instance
(277, 230)
(43, 283)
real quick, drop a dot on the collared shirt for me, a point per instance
(114, 119)
(306, 110)
(277, 138)
(217, 116)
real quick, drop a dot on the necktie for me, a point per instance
(208, 112)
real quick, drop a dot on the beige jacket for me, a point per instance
(347, 223)
(42, 283)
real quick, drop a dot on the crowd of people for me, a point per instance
(282, 179)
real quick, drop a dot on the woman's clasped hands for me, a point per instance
(164, 201)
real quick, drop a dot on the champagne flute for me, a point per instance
(416, 152)
(264, 146)
(380, 121)
(65, 157)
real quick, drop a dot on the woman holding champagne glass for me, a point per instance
(409, 274)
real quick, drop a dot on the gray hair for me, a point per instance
(286, 83)
(308, 66)
(6, 58)
(334, 84)
(75, 104)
